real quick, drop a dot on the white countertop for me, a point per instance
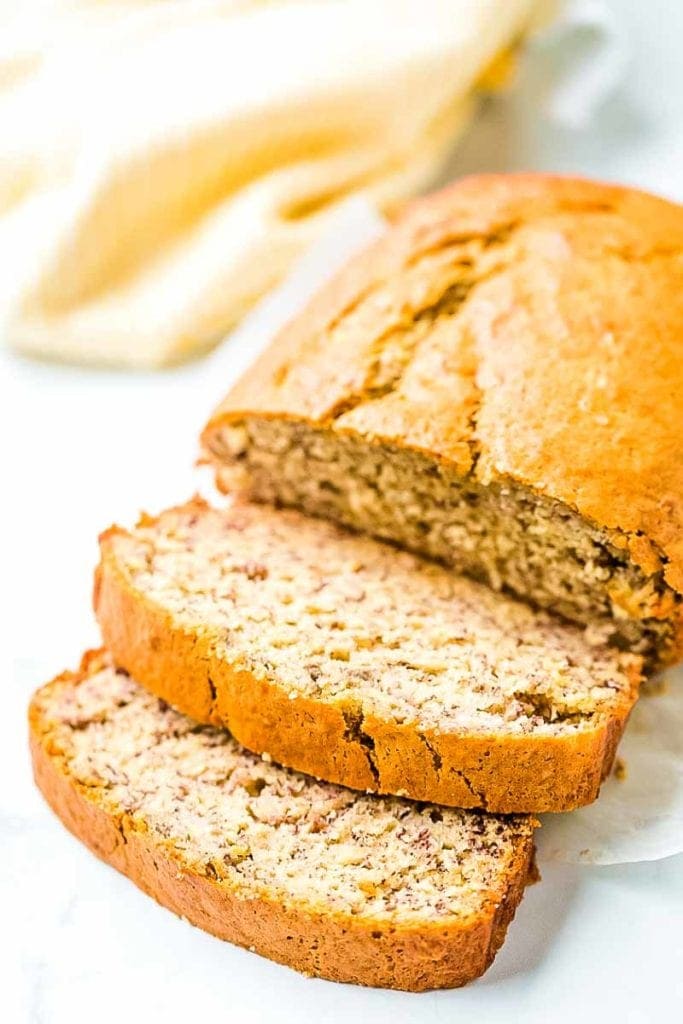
(82, 449)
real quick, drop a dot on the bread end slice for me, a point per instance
(367, 902)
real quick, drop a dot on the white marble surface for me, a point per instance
(81, 449)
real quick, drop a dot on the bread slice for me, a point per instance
(354, 888)
(495, 384)
(361, 664)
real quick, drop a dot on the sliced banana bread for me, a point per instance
(495, 384)
(361, 664)
(353, 888)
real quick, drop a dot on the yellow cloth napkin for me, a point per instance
(162, 163)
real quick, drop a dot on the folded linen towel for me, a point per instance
(163, 163)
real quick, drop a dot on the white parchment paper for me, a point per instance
(639, 815)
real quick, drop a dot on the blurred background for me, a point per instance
(165, 162)
(176, 177)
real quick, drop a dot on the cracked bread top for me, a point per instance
(264, 830)
(349, 621)
(520, 328)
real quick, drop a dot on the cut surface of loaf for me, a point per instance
(359, 663)
(495, 383)
(354, 888)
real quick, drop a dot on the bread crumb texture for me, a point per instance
(196, 799)
(337, 617)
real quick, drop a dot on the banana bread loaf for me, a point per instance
(495, 384)
(361, 664)
(353, 888)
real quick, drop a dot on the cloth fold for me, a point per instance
(163, 163)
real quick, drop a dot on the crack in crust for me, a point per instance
(354, 720)
(472, 261)
(437, 760)
(478, 796)
(468, 272)
(212, 691)
(391, 354)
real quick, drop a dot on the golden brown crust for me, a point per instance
(562, 369)
(523, 773)
(328, 945)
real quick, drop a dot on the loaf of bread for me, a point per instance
(360, 664)
(496, 384)
(349, 887)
